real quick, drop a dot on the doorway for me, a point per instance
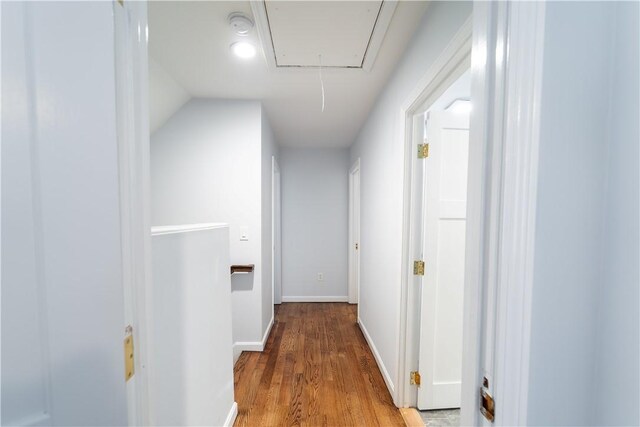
(448, 80)
(354, 233)
(443, 215)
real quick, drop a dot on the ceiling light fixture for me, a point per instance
(243, 50)
(459, 106)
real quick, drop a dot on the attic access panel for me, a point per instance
(347, 34)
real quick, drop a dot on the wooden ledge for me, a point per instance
(246, 268)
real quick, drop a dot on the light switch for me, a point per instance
(244, 233)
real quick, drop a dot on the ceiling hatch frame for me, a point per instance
(385, 14)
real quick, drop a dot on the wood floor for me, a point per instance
(316, 370)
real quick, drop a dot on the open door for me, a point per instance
(63, 331)
(444, 214)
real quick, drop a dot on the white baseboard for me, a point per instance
(265, 336)
(240, 346)
(231, 418)
(376, 355)
(316, 299)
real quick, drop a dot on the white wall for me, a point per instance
(381, 154)
(207, 166)
(166, 96)
(315, 207)
(584, 344)
(618, 369)
(191, 381)
(62, 294)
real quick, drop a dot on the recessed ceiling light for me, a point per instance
(243, 50)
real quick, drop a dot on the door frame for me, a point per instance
(450, 65)
(354, 231)
(275, 227)
(429, 312)
(132, 112)
(504, 42)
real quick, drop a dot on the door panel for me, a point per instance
(445, 184)
(62, 295)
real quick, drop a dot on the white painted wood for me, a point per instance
(62, 291)
(132, 84)
(239, 347)
(259, 10)
(383, 21)
(233, 414)
(501, 203)
(481, 186)
(444, 214)
(192, 371)
(276, 227)
(521, 116)
(376, 355)
(354, 233)
(321, 298)
(359, 48)
(340, 32)
(446, 69)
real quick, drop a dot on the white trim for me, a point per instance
(267, 332)
(376, 356)
(315, 299)
(231, 417)
(353, 286)
(186, 228)
(519, 195)
(132, 110)
(275, 170)
(241, 346)
(387, 10)
(478, 245)
(452, 62)
(258, 8)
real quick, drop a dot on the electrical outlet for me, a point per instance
(320, 277)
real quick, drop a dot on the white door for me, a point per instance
(62, 285)
(354, 233)
(444, 214)
(277, 234)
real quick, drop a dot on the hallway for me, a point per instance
(317, 369)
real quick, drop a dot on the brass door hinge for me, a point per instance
(129, 368)
(414, 378)
(418, 268)
(423, 151)
(487, 404)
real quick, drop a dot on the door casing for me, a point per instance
(276, 234)
(354, 233)
(504, 44)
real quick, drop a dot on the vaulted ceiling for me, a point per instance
(189, 48)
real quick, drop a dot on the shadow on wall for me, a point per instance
(242, 282)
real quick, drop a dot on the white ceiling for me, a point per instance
(190, 40)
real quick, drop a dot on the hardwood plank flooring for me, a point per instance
(316, 370)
